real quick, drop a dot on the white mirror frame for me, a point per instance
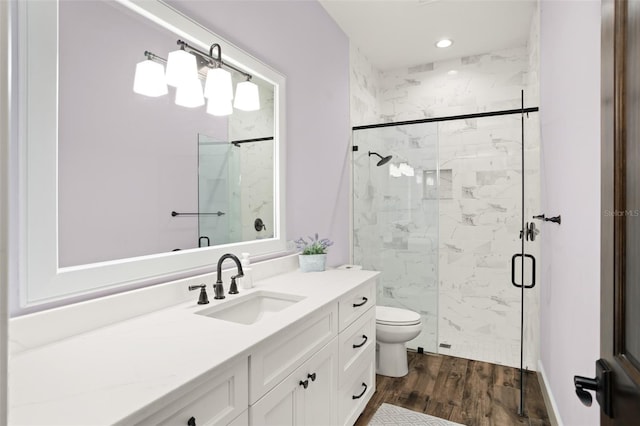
(42, 281)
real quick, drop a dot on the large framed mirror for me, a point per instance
(122, 189)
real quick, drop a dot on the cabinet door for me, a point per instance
(320, 397)
(303, 398)
(280, 355)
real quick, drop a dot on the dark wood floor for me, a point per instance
(461, 390)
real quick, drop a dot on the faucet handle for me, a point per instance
(203, 299)
(233, 287)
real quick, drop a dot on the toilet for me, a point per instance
(394, 328)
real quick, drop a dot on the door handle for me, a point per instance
(513, 270)
(601, 384)
(531, 231)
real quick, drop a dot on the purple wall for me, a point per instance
(570, 122)
(299, 39)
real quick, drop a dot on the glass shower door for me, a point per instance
(218, 192)
(395, 218)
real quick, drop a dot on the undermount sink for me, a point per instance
(251, 308)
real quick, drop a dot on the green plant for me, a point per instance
(314, 245)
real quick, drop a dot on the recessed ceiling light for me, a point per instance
(445, 42)
(452, 72)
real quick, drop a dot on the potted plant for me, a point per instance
(314, 253)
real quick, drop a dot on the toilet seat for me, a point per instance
(386, 315)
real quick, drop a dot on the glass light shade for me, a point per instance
(181, 66)
(149, 79)
(219, 107)
(218, 84)
(247, 97)
(189, 94)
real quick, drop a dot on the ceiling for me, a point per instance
(402, 33)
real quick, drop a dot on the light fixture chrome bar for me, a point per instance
(153, 57)
(209, 56)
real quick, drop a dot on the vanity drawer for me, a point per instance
(218, 401)
(357, 342)
(280, 355)
(354, 395)
(356, 302)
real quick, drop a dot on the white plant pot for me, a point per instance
(312, 262)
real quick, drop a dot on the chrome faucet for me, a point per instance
(233, 288)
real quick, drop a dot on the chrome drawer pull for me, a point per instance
(364, 300)
(364, 336)
(363, 392)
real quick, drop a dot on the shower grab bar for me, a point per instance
(513, 270)
(174, 214)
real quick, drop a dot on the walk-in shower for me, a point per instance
(442, 223)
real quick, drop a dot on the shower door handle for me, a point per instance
(533, 270)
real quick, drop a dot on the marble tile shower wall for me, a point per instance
(365, 89)
(479, 83)
(256, 167)
(474, 304)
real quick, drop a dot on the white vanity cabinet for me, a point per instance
(306, 397)
(276, 358)
(334, 385)
(357, 341)
(312, 363)
(220, 399)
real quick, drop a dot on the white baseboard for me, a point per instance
(549, 401)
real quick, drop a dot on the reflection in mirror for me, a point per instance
(235, 183)
(126, 161)
(104, 167)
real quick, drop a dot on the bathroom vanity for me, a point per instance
(295, 349)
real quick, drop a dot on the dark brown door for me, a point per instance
(620, 232)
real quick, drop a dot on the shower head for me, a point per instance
(383, 160)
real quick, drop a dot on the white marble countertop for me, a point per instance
(106, 375)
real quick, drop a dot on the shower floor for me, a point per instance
(496, 351)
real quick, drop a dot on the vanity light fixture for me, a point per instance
(445, 42)
(185, 69)
(218, 83)
(150, 79)
(182, 67)
(247, 96)
(189, 93)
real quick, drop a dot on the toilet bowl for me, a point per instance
(394, 328)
